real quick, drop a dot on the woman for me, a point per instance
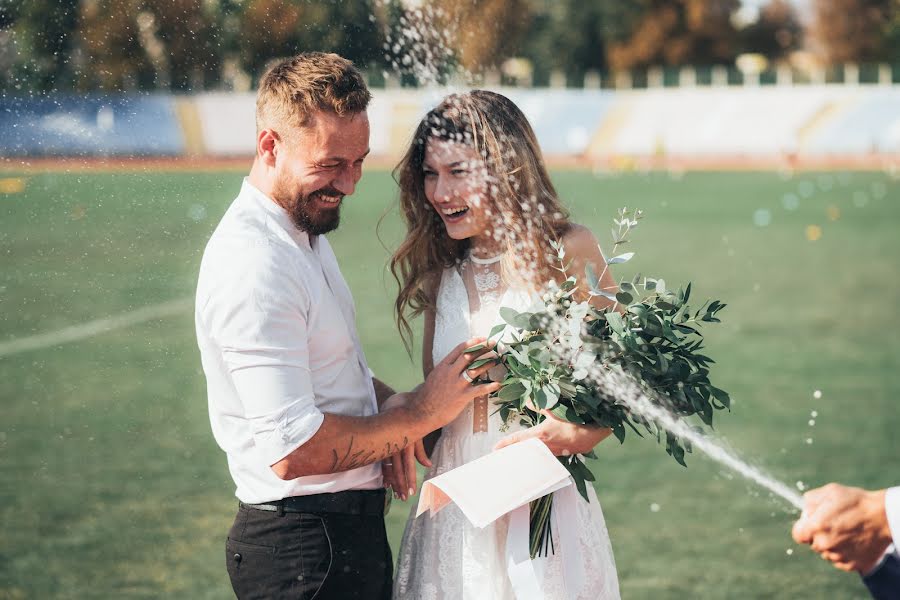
(481, 214)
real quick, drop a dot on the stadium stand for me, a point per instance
(763, 121)
(90, 126)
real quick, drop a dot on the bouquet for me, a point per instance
(556, 358)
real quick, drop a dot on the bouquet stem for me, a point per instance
(541, 530)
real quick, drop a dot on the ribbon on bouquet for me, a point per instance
(527, 575)
(506, 481)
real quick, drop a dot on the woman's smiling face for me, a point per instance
(456, 185)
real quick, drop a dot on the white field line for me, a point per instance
(96, 327)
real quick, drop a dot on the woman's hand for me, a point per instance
(561, 437)
(399, 470)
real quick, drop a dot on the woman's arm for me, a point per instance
(427, 365)
(582, 249)
(562, 437)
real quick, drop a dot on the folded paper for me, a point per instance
(491, 486)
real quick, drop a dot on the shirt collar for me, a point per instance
(277, 214)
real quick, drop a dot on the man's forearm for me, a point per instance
(343, 443)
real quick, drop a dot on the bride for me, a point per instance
(481, 212)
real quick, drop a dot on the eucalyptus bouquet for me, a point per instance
(555, 358)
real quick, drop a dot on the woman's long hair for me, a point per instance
(522, 202)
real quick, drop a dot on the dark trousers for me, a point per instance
(306, 555)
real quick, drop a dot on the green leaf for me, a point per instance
(721, 395)
(624, 298)
(622, 258)
(475, 348)
(512, 392)
(591, 276)
(497, 329)
(509, 315)
(577, 476)
(522, 321)
(481, 362)
(540, 399)
(615, 322)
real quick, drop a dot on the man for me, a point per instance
(292, 402)
(856, 530)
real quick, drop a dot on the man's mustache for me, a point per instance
(329, 191)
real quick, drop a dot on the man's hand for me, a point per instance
(844, 525)
(561, 437)
(399, 470)
(446, 391)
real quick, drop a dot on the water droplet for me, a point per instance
(809, 441)
(813, 233)
(817, 394)
(654, 507)
(814, 414)
(812, 422)
(800, 486)
(762, 217)
(790, 202)
(806, 189)
(789, 551)
(197, 212)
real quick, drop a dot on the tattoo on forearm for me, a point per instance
(361, 458)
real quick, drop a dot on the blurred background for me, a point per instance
(761, 139)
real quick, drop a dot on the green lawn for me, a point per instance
(112, 485)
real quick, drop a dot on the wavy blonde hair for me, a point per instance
(521, 200)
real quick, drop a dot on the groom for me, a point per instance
(292, 402)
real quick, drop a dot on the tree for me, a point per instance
(487, 32)
(854, 30)
(36, 41)
(270, 29)
(671, 32)
(568, 36)
(776, 33)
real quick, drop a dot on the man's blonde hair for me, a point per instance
(295, 88)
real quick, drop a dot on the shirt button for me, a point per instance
(299, 577)
(237, 557)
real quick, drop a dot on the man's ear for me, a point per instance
(267, 146)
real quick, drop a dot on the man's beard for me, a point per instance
(307, 216)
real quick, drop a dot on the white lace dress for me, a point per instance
(444, 556)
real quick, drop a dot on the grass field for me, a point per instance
(112, 486)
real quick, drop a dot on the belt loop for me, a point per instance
(280, 511)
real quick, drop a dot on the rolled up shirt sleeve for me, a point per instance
(892, 509)
(264, 342)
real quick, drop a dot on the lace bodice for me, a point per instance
(455, 323)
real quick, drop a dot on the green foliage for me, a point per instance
(557, 357)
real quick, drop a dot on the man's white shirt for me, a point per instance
(892, 510)
(276, 328)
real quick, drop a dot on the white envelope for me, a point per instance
(493, 485)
